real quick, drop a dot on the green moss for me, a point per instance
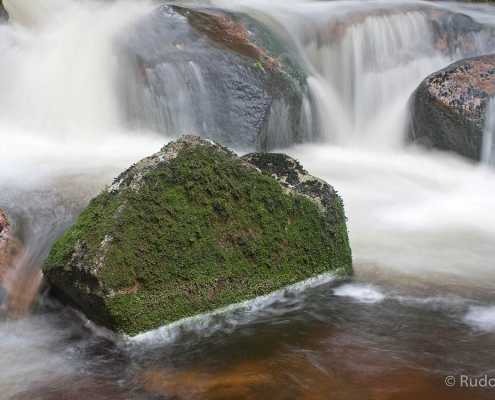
(202, 232)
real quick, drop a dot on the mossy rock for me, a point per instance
(194, 228)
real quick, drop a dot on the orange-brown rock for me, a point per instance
(19, 279)
(10, 247)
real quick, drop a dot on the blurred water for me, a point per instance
(422, 224)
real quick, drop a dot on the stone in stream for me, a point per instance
(448, 109)
(218, 74)
(10, 251)
(194, 228)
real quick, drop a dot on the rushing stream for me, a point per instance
(422, 223)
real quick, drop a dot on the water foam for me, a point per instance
(363, 293)
(481, 318)
(408, 213)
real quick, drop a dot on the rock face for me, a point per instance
(448, 109)
(193, 228)
(216, 74)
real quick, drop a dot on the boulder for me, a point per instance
(194, 228)
(220, 75)
(448, 109)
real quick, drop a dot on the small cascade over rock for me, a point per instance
(359, 55)
(218, 74)
(488, 148)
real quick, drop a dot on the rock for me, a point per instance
(220, 75)
(456, 33)
(449, 107)
(10, 250)
(453, 33)
(10, 247)
(193, 228)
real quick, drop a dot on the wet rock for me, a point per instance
(10, 247)
(10, 251)
(20, 279)
(453, 32)
(449, 107)
(3, 13)
(193, 228)
(457, 33)
(220, 75)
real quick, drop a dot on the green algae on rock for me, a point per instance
(194, 228)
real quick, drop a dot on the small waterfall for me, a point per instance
(61, 127)
(371, 64)
(488, 146)
(366, 58)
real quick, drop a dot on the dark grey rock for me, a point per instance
(215, 74)
(448, 109)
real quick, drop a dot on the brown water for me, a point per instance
(376, 342)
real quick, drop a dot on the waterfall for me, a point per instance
(366, 58)
(62, 133)
(488, 146)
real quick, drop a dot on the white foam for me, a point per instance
(363, 293)
(481, 318)
(27, 356)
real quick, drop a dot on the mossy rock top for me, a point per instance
(194, 228)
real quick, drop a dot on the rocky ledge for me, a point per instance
(448, 109)
(193, 228)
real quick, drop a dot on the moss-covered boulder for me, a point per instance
(194, 228)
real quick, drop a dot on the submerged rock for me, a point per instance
(194, 228)
(448, 109)
(220, 75)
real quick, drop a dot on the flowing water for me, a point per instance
(422, 224)
(488, 146)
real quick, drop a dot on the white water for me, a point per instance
(488, 146)
(61, 117)
(424, 215)
(482, 318)
(367, 294)
(408, 212)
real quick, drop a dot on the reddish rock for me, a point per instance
(19, 280)
(231, 34)
(10, 247)
(449, 107)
